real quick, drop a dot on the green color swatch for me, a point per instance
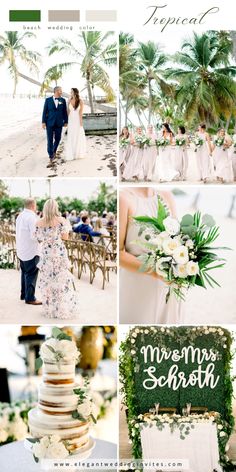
(24, 15)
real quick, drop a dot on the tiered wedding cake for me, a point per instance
(57, 401)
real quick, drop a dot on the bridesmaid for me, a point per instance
(167, 173)
(222, 159)
(124, 151)
(150, 155)
(134, 166)
(203, 153)
(181, 153)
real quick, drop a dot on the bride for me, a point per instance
(59, 298)
(76, 141)
(142, 295)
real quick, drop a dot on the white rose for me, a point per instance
(169, 245)
(97, 398)
(57, 450)
(69, 349)
(180, 255)
(222, 433)
(45, 353)
(3, 435)
(18, 429)
(172, 225)
(180, 271)
(157, 241)
(192, 268)
(133, 352)
(220, 426)
(84, 409)
(39, 450)
(45, 441)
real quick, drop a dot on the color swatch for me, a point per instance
(101, 15)
(24, 15)
(64, 15)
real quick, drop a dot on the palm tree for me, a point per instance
(53, 74)
(91, 53)
(131, 81)
(151, 62)
(14, 53)
(205, 79)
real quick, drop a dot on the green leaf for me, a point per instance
(75, 414)
(36, 459)
(208, 220)
(162, 212)
(187, 220)
(38, 363)
(56, 332)
(51, 349)
(32, 440)
(93, 419)
(64, 336)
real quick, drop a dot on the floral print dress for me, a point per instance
(59, 297)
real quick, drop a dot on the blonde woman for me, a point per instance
(99, 228)
(59, 298)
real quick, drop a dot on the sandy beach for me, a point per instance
(24, 148)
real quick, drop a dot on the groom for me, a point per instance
(54, 118)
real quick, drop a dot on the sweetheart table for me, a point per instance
(199, 448)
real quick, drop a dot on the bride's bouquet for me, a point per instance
(179, 251)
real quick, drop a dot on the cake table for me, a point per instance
(14, 457)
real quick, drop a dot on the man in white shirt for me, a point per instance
(28, 251)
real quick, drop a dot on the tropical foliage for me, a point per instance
(196, 84)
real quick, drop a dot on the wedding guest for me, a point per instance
(28, 251)
(203, 152)
(222, 158)
(85, 229)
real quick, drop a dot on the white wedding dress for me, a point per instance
(76, 141)
(143, 298)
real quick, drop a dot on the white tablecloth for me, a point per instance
(200, 447)
(15, 458)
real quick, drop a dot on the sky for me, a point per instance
(72, 78)
(82, 188)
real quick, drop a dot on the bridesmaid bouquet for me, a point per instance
(219, 142)
(162, 142)
(124, 142)
(180, 141)
(198, 142)
(142, 140)
(179, 251)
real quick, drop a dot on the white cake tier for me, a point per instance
(74, 431)
(58, 374)
(59, 400)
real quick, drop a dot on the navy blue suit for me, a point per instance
(86, 229)
(54, 118)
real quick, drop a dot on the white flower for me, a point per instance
(146, 331)
(220, 426)
(3, 435)
(180, 271)
(189, 243)
(157, 241)
(180, 255)
(172, 225)
(18, 429)
(159, 266)
(133, 341)
(133, 352)
(136, 425)
(169, 245)
(68, 349)
(192, 268)
(222, 433)
(39, 450)
(57, 450)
